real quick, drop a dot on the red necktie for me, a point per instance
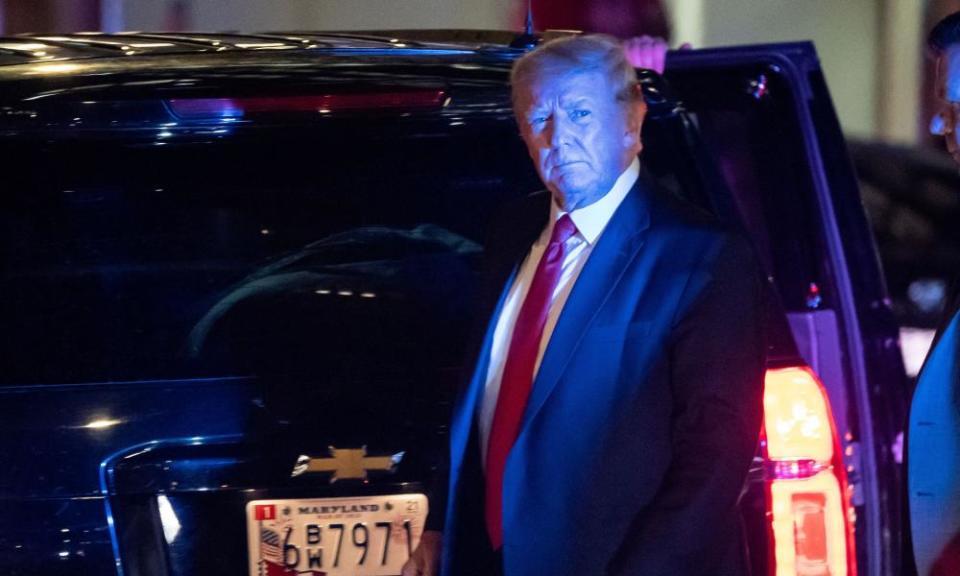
(518, 372)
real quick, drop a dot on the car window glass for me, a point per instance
(276, 250)
(747, 137)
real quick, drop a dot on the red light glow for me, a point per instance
(811, 521)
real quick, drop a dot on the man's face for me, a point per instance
(579, 136)
(947, 87)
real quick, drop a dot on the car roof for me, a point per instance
(108, 65)
(134, 47)
(40, 71)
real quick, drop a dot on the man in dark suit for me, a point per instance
(933, 436)
(615, 403)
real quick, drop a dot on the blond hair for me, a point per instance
(590, 53)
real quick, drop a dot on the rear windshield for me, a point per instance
(273, 249)
(347, 247)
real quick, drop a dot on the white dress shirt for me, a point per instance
(590, 222)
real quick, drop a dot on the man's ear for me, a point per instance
(635, 117)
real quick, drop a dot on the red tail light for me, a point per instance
(811, 520)
(320, 103)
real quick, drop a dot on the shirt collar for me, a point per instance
(592, 219)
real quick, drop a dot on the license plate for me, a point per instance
(366, 536)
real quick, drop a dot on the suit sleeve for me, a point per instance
(717, 361)
(498, 258)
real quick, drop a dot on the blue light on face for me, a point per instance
(947, 88)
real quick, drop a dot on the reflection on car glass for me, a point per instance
(367, 254)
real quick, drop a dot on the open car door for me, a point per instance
(750, 133)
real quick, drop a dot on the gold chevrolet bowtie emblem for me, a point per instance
(346, 463)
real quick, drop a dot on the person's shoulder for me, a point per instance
(671, 213)
(694, 229)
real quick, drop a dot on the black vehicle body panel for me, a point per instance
(211, 436)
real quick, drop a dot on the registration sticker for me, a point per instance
(364, 536)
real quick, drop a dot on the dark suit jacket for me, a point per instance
(644, 416)
(930, 482)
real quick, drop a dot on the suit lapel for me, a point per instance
(618, 244)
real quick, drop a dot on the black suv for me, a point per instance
(238, 275)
